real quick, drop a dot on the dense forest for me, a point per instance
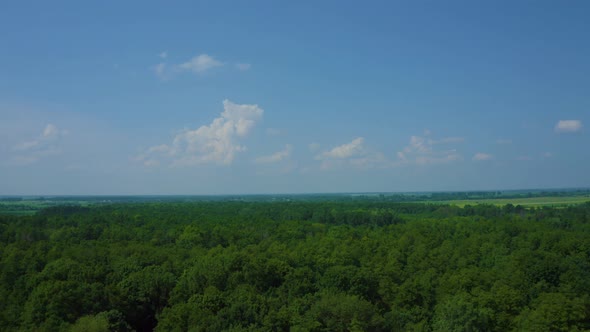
(299, 266)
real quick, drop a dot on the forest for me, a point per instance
(365, 265)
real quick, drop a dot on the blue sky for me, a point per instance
(220, 97)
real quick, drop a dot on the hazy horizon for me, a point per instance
(519, 190)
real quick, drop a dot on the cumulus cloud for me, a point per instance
(480, 156)
(200, 64)
(243, 66)
(355, 154)
(46, 144)
(216, 143)
(422, 151)
(568, 126)
(275, 157)
(345, 150)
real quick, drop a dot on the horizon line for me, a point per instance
(552, 189)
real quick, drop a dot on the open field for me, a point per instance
(528, 202)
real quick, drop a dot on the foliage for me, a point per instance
(302, 266)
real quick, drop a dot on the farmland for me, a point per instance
(553, 201)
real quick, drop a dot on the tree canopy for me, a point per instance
(300, 266)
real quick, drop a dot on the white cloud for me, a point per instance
(422, 151)
(215, 143)
(547, 155)
(197, 65)
(480, 156)
(354, 154)
(243, 66)
(276, 157)
(44, 145)
(200, 64)
(568, 126)
(345, 150)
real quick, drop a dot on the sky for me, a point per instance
(220, 97)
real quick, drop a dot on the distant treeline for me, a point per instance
(295, 266)
(388, 197)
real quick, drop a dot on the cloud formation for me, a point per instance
(29, 152)
(568, 126)
(422, 151)
(354, 154)
(345, 150)
(216, 143)
(200, 64)
(275, 157)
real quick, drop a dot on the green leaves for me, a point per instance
(346, 266)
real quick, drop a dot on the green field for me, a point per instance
(529, 202)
